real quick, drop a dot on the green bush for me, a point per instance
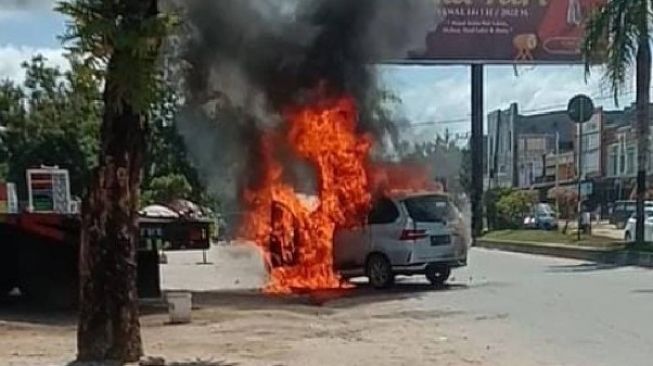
(166, 189)
(492, 197)
(513, 208)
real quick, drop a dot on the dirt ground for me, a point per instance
(233, 324)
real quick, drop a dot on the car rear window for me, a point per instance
(428, 208)
(383, 212)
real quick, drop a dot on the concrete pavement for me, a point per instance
(607, 231)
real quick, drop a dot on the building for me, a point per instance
(531, 153)
(518, 145)
(566, 164)
(592, 157)
(540, 151)
(500, 145)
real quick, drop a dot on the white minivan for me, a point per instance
(406, 234)
(629, 231)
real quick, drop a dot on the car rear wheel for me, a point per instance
(379, 271)
(628, 237)
(437, 275)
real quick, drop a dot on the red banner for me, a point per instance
(508, 31)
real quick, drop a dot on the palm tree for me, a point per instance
(119, 40)
(618, 34)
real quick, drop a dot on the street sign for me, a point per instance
(580, 108)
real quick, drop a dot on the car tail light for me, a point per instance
(410, 234)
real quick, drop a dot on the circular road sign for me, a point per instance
(580, 109)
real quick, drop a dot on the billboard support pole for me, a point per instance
(580, 175)
(477, 150)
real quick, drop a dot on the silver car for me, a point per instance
(629, 232)
(406, 234)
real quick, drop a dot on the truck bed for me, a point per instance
(40, 253)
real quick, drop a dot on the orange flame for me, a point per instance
(298, 241)
(393, 177)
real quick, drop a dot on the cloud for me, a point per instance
(12, 9)
(11, 58)
(439, 96)
(28, 4)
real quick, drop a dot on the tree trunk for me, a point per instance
(109, 327)
(643, 100)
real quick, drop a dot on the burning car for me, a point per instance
(410, 233)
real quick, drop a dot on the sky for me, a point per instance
(433, 98)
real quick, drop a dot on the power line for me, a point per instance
(461, 120)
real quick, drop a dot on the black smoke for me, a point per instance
(246, 59)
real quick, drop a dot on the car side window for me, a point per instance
(383, 212)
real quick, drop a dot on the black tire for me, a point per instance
(628, 238)
(379, 271)
(438, 275)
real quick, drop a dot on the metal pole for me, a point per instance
(557, 152)
(580, 171)
(477, 150)
(557, 172)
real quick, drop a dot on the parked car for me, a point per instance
(623, 210)
(629, 232)
(406, 234)
(542, 218)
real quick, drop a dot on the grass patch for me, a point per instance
(554, 236)
(648, 247)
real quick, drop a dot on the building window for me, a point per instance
(593, 141)
(630, 161)
(613, 161)
(491, 152)
(591, 162)
(509, 141)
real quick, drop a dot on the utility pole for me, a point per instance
(557, 172)
(580, 174)
(557, 158)
(495, 163)
(477, 150)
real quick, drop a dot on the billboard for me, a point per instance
(507, 31)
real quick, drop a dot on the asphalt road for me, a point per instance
(560, 312)
(504, 309)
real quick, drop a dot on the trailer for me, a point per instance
(39, 246)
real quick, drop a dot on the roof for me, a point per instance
(547, 123)
(158, 211)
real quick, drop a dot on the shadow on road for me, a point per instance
(644, 291)
(202, 363)
(306, 303)
(198, 362)
(18, 310)
(584, 267)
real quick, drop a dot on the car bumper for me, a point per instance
(416, 268)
